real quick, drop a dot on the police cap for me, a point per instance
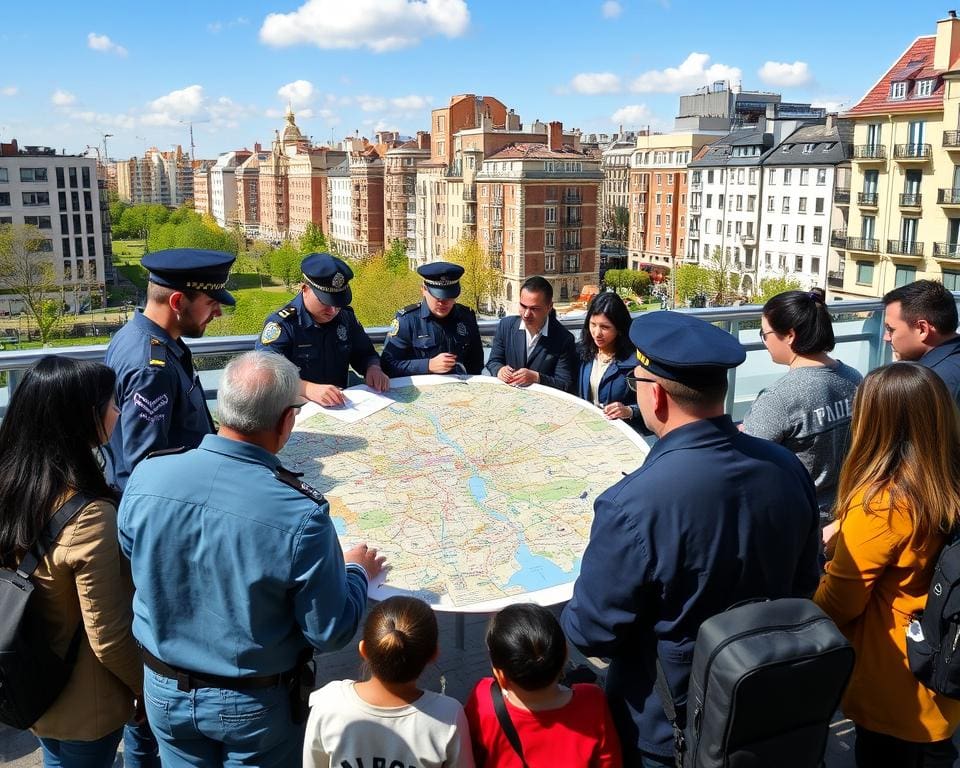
(684, 348)
(441, 279)
(329, 277)
(192, 269)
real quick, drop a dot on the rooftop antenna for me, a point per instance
(192, 145)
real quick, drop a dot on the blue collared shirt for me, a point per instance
(161, 400)
(235, 571)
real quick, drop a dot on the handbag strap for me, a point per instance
(506, 724)
(51, 532)
(670, 710)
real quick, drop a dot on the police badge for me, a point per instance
(338, 280)
(342, 332)
(394, 327)
(461, 329)
(271, 332)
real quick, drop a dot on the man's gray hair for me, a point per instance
(255, 390)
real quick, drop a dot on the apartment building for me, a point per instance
(400, 191)
(222, 187)
(340, 232)
(538, 210)
(366, 188)
(201, 190)
(59, 195)
(657, 197)
(904, 219)
(274, 187)
(615, 191)
(806, 195)
(247, 177)
(307, 187)
(134, 180)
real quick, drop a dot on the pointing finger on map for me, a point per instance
(376, 379)
(367, 557)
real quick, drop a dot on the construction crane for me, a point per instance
(192, 145)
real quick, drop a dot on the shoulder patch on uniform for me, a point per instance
(167, 452)
(292, 479)
(408, 308)
(158, 353)
(271, 332)
(394, 327)
(151, 410)
(287, 311)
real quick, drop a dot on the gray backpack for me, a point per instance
(766, 680)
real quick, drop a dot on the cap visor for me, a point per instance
(341, 299)
(223, 296)
(444, 292)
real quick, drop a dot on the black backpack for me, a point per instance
(31, 674)
(766, 680)
(933, 638)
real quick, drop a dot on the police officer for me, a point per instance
(713, 517)
(437, 335)
(158, 391)
(320, 334)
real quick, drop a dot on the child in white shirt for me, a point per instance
(387, 720)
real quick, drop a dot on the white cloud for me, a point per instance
(61, 98)
(9, 90)
(410, 103)
(611, 9)
(104, 119)
(691, 74)
(398, 105)
(632, 116)
(218, 26)
(186, 102)
(596, 82)
(105, 44)
(299, 93)
(380, 25)
(784, 75)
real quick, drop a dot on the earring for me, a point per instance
(178, 317)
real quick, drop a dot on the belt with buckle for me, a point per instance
(188, 681)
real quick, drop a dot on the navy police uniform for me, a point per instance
(416, 335)
(944, 360)
(712, 517)
(322, 351)
(158, 391)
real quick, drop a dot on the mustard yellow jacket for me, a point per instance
(876, 580)
(84, 577)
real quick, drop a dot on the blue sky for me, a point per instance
(71, 71)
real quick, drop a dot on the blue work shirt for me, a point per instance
(713, 517)
(944, 360)
(161, 400)
(416, 336)
(322, 351)
(235, 571)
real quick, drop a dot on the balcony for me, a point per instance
(694, 234)
(951, 140)
(870, 153)
(910, 200)
(694, 208)
(748, 240)
(841, 195)
(905, 248)
(838, 238)
(696, 186)
(469, 217)
(867, 199)
(835, 279)
(641, 207)
(949, 251)
(469, 193)
(572, 198)
(913, 153)
(864, 244)
(948, 196)
(573, 221)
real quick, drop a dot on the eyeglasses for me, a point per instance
(294, 407)
(764, 334)
(632, 381)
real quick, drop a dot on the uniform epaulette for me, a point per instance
(158, 353)
(408, 308)
(287, 477)
(168, 451)
(288, 311)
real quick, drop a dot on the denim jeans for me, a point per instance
(81, 754)
(215, 726)
(139, 746)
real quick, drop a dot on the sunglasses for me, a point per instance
(632, 381)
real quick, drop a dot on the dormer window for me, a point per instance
(924, 87)
(787, 147)
(808, 148)
(898, 90)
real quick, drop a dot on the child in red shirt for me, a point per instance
(554, 725)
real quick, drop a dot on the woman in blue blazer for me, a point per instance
(607, 357)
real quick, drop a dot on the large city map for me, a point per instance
(478, 493)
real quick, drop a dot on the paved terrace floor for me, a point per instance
(457, 670)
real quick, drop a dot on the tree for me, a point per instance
(256, 259)
(621, 225)
(691, 280)
(379, 291)
(312, 240)
(724, 279)
(771, 286)
(26, 269)
(482, 277)
(396, 257)
(285, 264)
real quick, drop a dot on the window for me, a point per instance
(670, 179)
(807, 149)
(804, 175)
(897, 91)
(46, 246)
(802, 205)
(821, 176)
(864, 273)
(751, 202)
(801, 233)
(719, 227)
(769, 231)
(36, 198)
(668, 219)
(658, 240)
(784, 232)
(4, 198)
(709, 177)
(87, 201)
(6, 220)
(798, 263)
(657, 220)
(770, 203)
(951, 280)
(33, 174)
(729, 228)
(786, 175)
(85, 175)
(60, 182)
(818, 205)
(904, 275)
(76, 223)
(709, 201)
(786, 205)
(923, 87)
(669, 199)
(549, 262)
(753, 176)
(740, 176)
(739, 202)
(720, 201)
(40, 222)
(73, 177)
(659, 198)
(75, 201)
(89, 222)
(817, 236)
(4, 175)
(772, 176)
(550, 214)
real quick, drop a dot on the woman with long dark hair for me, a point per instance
(808, 409)
(898, 499)
(58, 416)
(607, 357)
